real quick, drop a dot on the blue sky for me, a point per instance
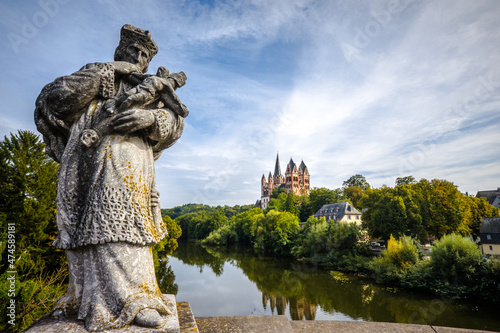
(383, 88)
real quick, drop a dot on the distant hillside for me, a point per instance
(195, 208)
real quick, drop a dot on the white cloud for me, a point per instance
(268, 76)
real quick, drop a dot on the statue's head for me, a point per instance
(136, 46)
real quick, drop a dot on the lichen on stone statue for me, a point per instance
(106, 124)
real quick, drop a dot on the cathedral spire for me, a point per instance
(277, 168)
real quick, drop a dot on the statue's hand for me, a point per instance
(155, 199)
(124, 67)
(132, 120)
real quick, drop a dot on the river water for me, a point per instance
(235, 281)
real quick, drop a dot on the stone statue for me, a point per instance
(106, 124)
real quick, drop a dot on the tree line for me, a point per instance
(405, 215)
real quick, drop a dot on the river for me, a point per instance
(234, 281)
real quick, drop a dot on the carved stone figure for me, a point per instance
(106, 124)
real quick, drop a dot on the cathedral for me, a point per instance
(296, 179)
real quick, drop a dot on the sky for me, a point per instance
(381, 88)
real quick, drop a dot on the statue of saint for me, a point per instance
(106, 124)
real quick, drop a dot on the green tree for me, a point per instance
(277, 191)
(479, 208)
(27, 198)
(275, 232)
(185, 209)
(407, 180)
(277, 204)
(291, 204)
(168, 244)
(193, 225)
(443, 208)
(305, 210)
(244, 224)
(356, 180)
(28, 181)
(354, 194)
(321, 196)
(335, 245)
(393, 211)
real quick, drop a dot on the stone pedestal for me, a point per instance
(48, 324)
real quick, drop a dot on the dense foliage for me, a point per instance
(423, 209)
(27, 200)
(267, 231)
(196, 208)
(455, 268)
(338, 246)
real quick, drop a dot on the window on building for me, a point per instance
(491, 248)
(348, 217)
(488, 237)
(357, 217)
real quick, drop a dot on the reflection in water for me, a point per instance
(165, 277)
(306, 292)
(299, 308)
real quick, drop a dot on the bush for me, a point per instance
(455, 259)
(34, 297)
(489, 287)
(275, 232)
(400, 256)
(223, 236)
(334, 245)
(402, 253)
(418, 276)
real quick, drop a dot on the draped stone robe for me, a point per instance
(105, 217)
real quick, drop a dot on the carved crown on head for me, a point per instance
(130, 34)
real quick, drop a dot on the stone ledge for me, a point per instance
(264, 324)
(244, 324)
(187, 323)
(365, 326)
(183, 321)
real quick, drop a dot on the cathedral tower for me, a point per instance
(296, 179)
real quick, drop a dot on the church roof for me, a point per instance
(277, 168)
(302, 167)
(338, 210)
(291, 164)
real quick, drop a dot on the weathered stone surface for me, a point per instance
(356, 326)
(244, 324)
(106, 124)
(187, 322)
(182, 314)
(440, 329)
(282, 324)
